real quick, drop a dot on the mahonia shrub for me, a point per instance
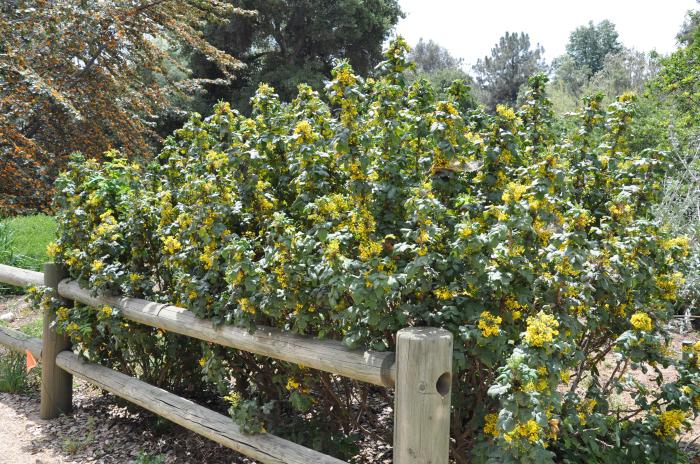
(376, 206)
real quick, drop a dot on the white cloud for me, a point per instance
(469, 29)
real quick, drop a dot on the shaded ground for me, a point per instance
(99, 431)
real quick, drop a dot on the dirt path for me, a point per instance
(101, 430)
(19, 426)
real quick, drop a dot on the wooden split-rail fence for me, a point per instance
(420, 372)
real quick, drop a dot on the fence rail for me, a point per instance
(20, 342)
(420, 372)
(20, 277)
(327, 355)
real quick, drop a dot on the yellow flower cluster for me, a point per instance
(565, 376)
(514, 192)
(355, 170)
(108, 225)
(53, 249)
(541, 329)
(345, 77)
(70, 258)
(514, 307)
(73, 331)
(105, 312)
(369, 249)
(464, 230)
(216, 159)
(171, 245)
(333, 248)
(641, 321)
(281, 276)
(583, 220)
(292, 384)
(671, 423)
(93, 199)
(348, 115)
(669, 285)
(539, 386)
(97, 265)
(585, 409)
(530, 430)
(505, 112)
(442, 293)
(305, 132)
(620, 212)
(681, 242)
(331, 206)
(491, 424)
(361, 223)
(62, 314)
(447, 107)
(694, 350)
(489, 324)
(246, 306)
(207, 257)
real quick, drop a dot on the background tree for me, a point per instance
(87, 76)
(691, 24)
(569, 77)
(511, 63)
(430, 56)
(680, 81)
(589, 45)
(596, 62)
(292, 42)
(628, 70)
(435, 64)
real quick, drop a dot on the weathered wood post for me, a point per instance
(56, 384)
(422, 397)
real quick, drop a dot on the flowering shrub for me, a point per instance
(381, 208)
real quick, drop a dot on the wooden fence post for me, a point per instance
(422, 396)
(56, 384)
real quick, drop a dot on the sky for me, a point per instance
(469, 29)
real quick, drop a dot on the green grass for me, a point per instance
(33, 329)
(23, 240)
(13, 373)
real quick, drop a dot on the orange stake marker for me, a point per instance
(31, 361)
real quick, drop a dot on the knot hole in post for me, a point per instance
(443, 384)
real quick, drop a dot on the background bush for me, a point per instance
(381, 207)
